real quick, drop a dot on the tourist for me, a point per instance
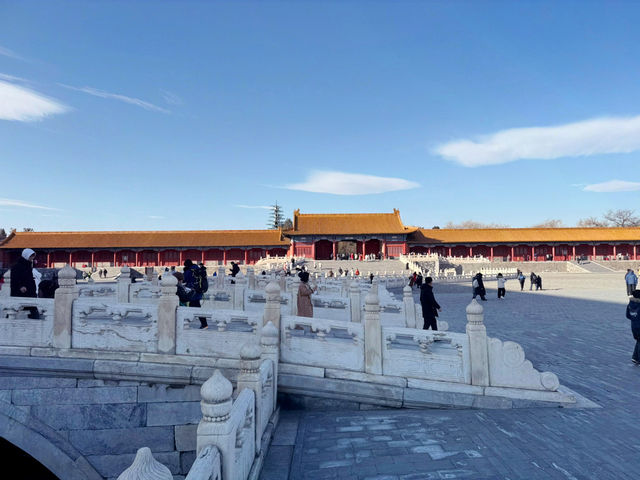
(22, 282)
(357, 272)
(305, 307)
(419, 280)
(538, 282)
(330, 273)
(340, 272)
(105, 273)
(371, 278)
(532, 277)
(191, 273)
(633, 314)
(430, 307)
(521, 279)
(100, 273)
(631, 280)
(501, 284)
(478, 287)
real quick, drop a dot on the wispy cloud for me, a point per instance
(170, 97)
(13, 78)
(613, 186)
(340, 183)
(8, 202)
(155, 217)
(116, 96)
(24, 105)
(5, 52)
(589, 137)
(265, 207)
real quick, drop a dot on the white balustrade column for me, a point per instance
(124, 281)
(65, 294)
(167, 314)
(372, 335)
(478, 347)
(270, 342)
(409, 307)
(5, 288)
(354, 298)
(238, 296)
(249, 377)
(221, 274)
(295, 285)
(272, 306)
(251, 275)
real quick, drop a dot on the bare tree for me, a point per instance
(287, 224)
(27, 229)
(468, 224)
(592, 222)
(622, 218)
(551, 223)
(3, 234)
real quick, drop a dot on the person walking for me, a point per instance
(191, 273)
(478, 287)
(430, 307)
(305, 307)
(631, 280)
(521, 279)
(501, 286)
(23, 283)
(538, 282)
(633, 314)
(419, 280)
(532, 277)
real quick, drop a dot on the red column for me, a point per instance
(115, 259)
(614, 251)
(93, 259)
(553, 252)
(635, 252)
(594, 252)
(513, 251)
(313, 249)
(202, 257)
(224, 256)
(49, 257)
(429, 250)
(533, 251)
(246, 257)
(449, 252)
(334, 247)
(137, 259)
(158, 259)
(491, 253)
(573, 252)
(181, 257)
(364, 248)
(470, 252)
(70, 258)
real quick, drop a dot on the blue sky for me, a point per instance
(180, 115)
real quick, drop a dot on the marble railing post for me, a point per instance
(344, 287)
(372, 335)
(5, 291)
(167, 306)
(295, 285)
(146, 467)
(272, 305)
(354, 298)
(478, 348)
(124, 280)
(154, 278)
(251, 275)
(374, 286)
(65, 294)
(270, 342)
(409, 307)
(249, 377)
(215, 428)
(221, 274)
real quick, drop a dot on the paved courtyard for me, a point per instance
(575, 328)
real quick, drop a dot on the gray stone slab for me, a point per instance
(122, 440)
(202, 374)
(417, 398)
(143, 372)
(92, 417)
(173, 413)
(168, 393)
(69, 367)
(24, 382)
(74, 396)
(114, 465)
(186, 437)
(186, 460)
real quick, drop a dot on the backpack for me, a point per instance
(201, 284)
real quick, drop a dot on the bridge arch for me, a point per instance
(44, 444)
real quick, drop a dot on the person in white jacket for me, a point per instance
(501, 283)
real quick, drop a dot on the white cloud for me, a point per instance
(171, 98)
(589, 137)
(116, 96)
(13, 78)
(155, 217)
(24, 105)
(8, 202)
(613, 186)
(265, 207)
(9, 53)
(340, 183)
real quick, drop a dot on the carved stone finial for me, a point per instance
(168, 280)
(145, 467)
(270, 330)
(216, 398)
(272, 288)
(474, 312)
(67, 272)
(125, 270)
(407, 292)
(250, 351)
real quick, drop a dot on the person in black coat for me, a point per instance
(633, 314)
(22, 282)
(430, 307)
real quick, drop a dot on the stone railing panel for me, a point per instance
(144, 293)
(114, 326)
(322, 343)
(425, 354)
(218, 298)
(17, 329)
(228, 331)
(207, 465)
(93, 290)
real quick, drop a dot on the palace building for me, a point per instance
(319, 237)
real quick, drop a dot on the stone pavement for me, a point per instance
(575, 328)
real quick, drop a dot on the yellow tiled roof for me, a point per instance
(132, 239)
(347, 224)
(524, 235)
